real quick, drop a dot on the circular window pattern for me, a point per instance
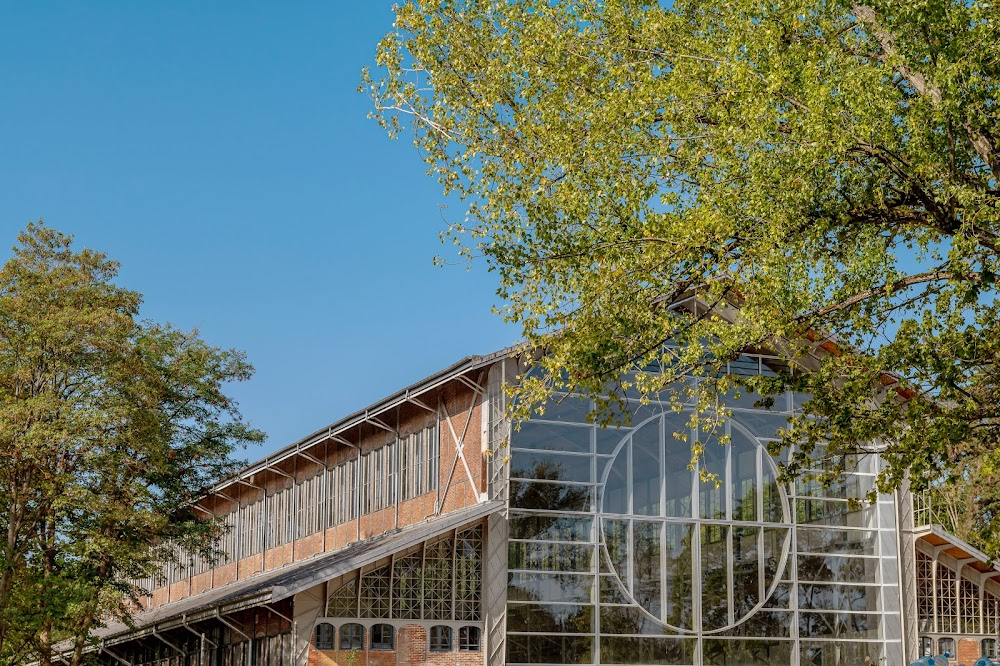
(696, 556)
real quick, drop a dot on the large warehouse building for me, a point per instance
(408, 533)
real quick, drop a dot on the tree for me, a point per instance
(109, 428)
(814, 179)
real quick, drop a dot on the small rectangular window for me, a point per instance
(381, 637)
(440, 638)
(469, 639)
(352, 636)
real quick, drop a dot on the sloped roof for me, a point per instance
(946, 542)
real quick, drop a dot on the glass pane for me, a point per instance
(616, 540)
(833, 541)
(839, 653)
(714, 577)
(621, 650)
(646, 466)
(551, 466)
(746, 573)
(550, 618)
(774, 544)
(741, 652)
(553, 649)
(612, 591)
(838, 625)
(838, 569)
(608, 439)
(761, 423)
(548, 527)
(834, 513)
(627, 620)
(563, 407)
(647, 586)
(615, 495)
(678, 573)
(551, 496)
(743, 486)
(552, 437)
(765, 622)
(550, 556)
(816, 596)
(712, 492)
(676, 462)
(549, 587)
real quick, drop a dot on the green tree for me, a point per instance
(815, 179)
(109, 428)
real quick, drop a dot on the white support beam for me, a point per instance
(420, 403)
(380, 424)
(310, 458)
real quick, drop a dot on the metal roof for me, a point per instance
(943, 541)
(287, 581)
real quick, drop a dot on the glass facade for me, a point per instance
(621, 553)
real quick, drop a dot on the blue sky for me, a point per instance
(220, 151)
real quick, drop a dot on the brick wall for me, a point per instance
(968, 651)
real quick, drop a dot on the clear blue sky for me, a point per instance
(220, 151)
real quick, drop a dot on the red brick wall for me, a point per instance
(968, 651)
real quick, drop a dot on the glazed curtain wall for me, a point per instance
(619, 554)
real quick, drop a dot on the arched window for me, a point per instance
(946, 645)
(988, 647)
(440, 638)
(381, 637)
(926, 646)
(324, 639)
(352, 636)
(469, 639)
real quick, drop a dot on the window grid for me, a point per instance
(947, 601)
(402, 469)
(375, 590)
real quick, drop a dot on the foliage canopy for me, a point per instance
(109, 428)
(820, 174)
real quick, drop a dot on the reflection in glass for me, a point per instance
(838, 653)
(552, 649)
(743, 484)
(550, 618)
(551, 496)
(646, 565)
(719, 652)
(838, 569)
(550, 556)
(669, 543)
(550, 527)
(834, 541)
(715, 585)
(620, 650)
(838, 625)
(560, 587)
(646, 470)
(678, 576)
(818, 596)
(530, 465)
